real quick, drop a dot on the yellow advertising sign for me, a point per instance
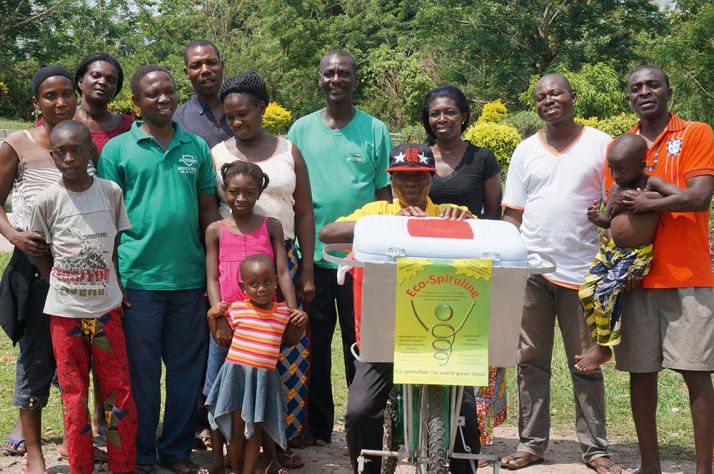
(441, 324)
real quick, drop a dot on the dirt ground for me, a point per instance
(561, 458)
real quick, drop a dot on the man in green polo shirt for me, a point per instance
(346, 152)
(168, 182)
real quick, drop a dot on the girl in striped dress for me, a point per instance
(247, 397)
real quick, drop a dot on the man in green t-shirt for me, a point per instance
(169, 186)
(346, 152)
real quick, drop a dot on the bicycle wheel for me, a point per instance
(436, 447)
(389, 464)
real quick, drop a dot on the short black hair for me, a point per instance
(84, 65)
(71, 126)
(256, 259)
(197, 44)
(629, 145)
(653, 67)
(143, 71)
(237, 167)
(453, 93)
(247, 82)
(560, 77)
(344, 53)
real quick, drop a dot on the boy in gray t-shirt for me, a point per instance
(81, 217)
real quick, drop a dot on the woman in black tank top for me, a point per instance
(465, 174)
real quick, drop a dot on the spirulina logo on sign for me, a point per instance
(355, 156)
(189, 164)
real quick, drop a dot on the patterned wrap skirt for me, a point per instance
(294, 365)
(601, 294)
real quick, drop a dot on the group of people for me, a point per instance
(189, 237)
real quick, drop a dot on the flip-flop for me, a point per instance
(100, 455)
(17, 448)
(517, 458)
(290, 460)
(605, 466)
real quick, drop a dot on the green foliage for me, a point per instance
(490, 48)
(617, 124)
(123, 104)
(502, 139)
(410, 134)
(687, 54)
(613, 126)
(526, 122)
(493, 112)
(396, 83)
(600, 93)
(277, 119)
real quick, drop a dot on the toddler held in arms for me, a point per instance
(627, 256)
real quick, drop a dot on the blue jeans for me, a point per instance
(216, 357)
(169, 326)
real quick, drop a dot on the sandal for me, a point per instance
(203, 441)
(604, 467)
(100, 456)
(519, 460)
(14, 446)
(290, 460)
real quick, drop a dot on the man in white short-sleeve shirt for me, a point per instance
(553, 177)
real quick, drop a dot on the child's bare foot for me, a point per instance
(593, 358)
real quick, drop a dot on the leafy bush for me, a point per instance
(500, 138)
(617, 124)
(493, 112)
(613, 126)
(588, 122)
(597, 86)
(277, 119)
(410, 134)
(526, 122)
(3, 88)
(122, 104)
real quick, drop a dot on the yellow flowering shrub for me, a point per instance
(276, 119)
(493, 112)
(613, 126)
(500, 138)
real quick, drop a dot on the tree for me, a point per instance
(687, 55)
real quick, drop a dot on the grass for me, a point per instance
(12, 124)
(673, 418)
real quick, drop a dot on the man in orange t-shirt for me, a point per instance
(669, 323)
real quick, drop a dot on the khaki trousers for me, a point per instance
(544, 303)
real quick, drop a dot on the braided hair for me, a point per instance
(247, 82)
(89, 60)
(238, 167)
(451, 92)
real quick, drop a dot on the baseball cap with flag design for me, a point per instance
(411, 157)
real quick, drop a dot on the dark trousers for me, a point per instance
(332, 301)
(364, 419)
(168, 325)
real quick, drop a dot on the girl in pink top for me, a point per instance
(228, 243)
